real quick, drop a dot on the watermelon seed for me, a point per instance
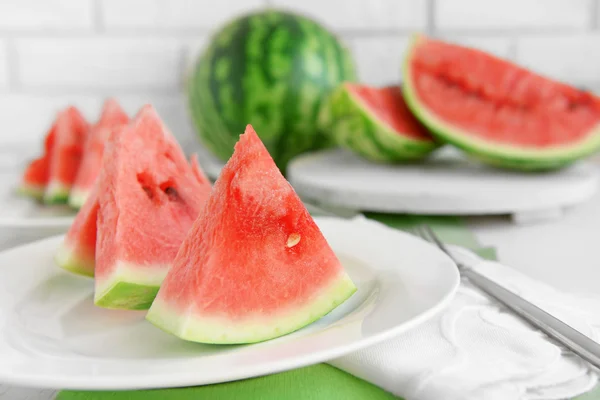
(145, 181)
(293, 239)
(148, 192)
(171, 192)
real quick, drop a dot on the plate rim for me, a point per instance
(186, 378)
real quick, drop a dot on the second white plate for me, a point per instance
(20, 212)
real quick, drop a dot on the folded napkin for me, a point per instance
(472, 350)
(475, 349)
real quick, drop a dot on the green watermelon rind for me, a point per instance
(57, 193)
(67, 259)
(131, 287)
(221, 331)
(77, 197)
(34, 191)
(492, 153)
(355, 128)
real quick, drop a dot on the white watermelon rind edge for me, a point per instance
(250, 329)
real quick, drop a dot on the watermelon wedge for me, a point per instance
(36, 175)
(376, 124)
(149, 197)
(112, 116)
(65, 155)
(77, 253)
(498, 112)
(35, 178)
(255, 265)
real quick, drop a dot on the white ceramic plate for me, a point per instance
(447, 183)
(20, 212)
(51, 334)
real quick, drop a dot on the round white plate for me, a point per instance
(21, 212)
(446, 184)
(51, 334)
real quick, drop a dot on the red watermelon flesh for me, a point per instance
(497, 109)
(389, 106)
(36, 175)
(255, 265)
(112, 116)
(65, 155)
(149, 197)
(77, 253)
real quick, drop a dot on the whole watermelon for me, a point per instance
(272, 69)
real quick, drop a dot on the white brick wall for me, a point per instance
(4, 78)
(579, 61)
(363, 15)
(111, 63)
(522, 14)
(173, 14)
(379, 58)
(23, 15)
(54, 52)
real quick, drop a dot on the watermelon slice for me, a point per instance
(77, 253)
(149, 197)
(501, 113)
(35, 178)
(112, 116)
(65, 155)
(36, 175)
(255, 265)
(376, 124)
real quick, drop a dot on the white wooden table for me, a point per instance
(564, 253)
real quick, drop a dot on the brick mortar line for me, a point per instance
(98, 16)
(595, 14)
(187, 34)
(430, 17)
(13, 65)
(93, 91)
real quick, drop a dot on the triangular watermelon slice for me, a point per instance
(36, 175)
(255, 265)
(149, 198)
(112, 116)
(66, 153)
(35, 178)
(77, 253)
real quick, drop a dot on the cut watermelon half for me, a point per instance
(111, 117)
(149, 197)
(499, 112)
(77, 253)
(255, 265)
(36, 175)
(66, 153)
(376, 124)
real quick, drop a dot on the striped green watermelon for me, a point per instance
(376, 124)
(271, 69)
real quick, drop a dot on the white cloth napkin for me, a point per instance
(475, 349)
